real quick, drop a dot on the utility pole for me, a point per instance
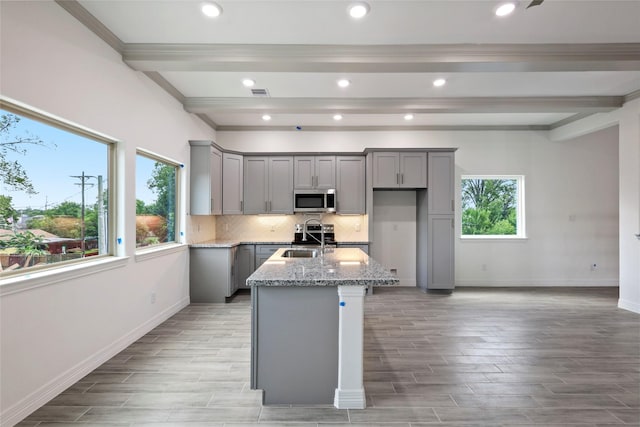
(82, 184)
(102, 220)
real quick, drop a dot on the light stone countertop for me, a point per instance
(338, 267)
(222, 243)
(229, 243)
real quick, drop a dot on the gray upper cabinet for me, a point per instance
(351, 188)
(314, 172)
(232, 179)
(441, 183)
(268, 185)
(205, 179)
(399, 170)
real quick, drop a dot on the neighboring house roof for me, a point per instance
(6, 234)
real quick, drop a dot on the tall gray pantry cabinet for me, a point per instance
(436, 225)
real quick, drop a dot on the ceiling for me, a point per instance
(535, 69)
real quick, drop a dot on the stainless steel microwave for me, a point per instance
(314, 200)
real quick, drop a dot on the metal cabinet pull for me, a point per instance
(452, 207)
(398, 178)
(241, 205)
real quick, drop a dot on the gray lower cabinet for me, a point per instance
(246, 264)
(213, 273)
(440, 252)
(364, 247)
(351, 188)
(263, 252)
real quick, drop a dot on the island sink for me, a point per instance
(300, 253)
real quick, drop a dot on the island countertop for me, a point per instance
(338, 267)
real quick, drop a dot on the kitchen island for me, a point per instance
(307, 325)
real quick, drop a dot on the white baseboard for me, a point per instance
(350, 399)
(538, 283)
(22, 409)
(629, 305)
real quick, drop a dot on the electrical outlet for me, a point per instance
(153, 297)
(226, 227)
(356, 226)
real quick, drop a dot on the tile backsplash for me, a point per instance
(281, 227)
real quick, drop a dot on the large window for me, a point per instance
(156, 200)
(54, 200)
(493, 206)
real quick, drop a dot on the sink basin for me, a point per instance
(300, 253)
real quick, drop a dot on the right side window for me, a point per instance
(493, 206)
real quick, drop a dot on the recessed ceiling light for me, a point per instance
(343, 83)
(408, 116)
(358, 10)
(266, 117)
(211, 10)
(439, 82)
(337, 117)
(248, 82)
(505, 9)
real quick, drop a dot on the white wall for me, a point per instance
(571, 197)
(627, 119)
(52, 335)
(394, 228)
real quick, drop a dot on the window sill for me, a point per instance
(28, 281)
(512, 239)
(160, 250)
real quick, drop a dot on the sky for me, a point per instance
(51, 167)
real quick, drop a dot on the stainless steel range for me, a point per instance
(314, 235)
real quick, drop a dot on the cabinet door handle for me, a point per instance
(452, 207)
(452, 225)
(266, 206)
(401, 178)
(213, 208)
(398, 178)
(241, 205)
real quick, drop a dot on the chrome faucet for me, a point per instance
(305, 234)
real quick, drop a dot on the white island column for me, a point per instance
(350, 391)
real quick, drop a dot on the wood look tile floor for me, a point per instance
(478, 357)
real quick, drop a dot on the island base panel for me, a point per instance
(295, 339)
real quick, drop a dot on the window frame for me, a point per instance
(146, 252)
(113, 224)
(521, 230)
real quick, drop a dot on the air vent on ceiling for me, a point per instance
(259, 92)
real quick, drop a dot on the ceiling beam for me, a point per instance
(384, 58)
(558, 104)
